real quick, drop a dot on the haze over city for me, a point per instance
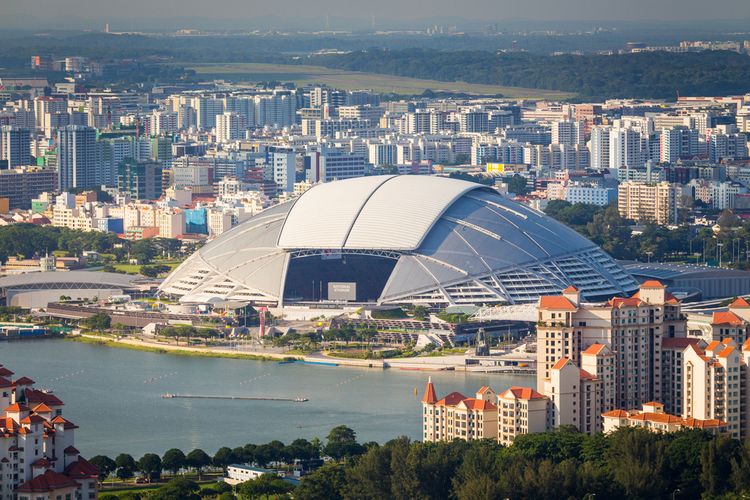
(386, 250)
(359, 14)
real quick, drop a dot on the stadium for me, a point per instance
(396, 240)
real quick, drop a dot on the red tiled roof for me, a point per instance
(35, 396)
(82, 469)
(4, 382)
(726, 318)
(42, 462)
(678, 342)
(429, 393)
(25, 381)
(556, 302)
(451, 399)
(522, 393)
(49, 481)
(71, 450)
(32, 419)
(4, 372)
(587, 376)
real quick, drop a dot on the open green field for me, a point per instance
(351, 80)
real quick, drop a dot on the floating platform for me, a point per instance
(239, 398)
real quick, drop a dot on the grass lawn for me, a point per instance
(127, 268)
(351, 80)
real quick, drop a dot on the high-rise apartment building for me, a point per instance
(15, 146)
(631, 328)
(77, 158)
(645, 202)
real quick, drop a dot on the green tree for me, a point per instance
(342, 443)
(265, 486)
(326, 482)
(223, 457)
(173, 460)
(150, 464)
(126, 466)
(198, 459)
(179, 488)
(637, 459)
(105, 465)
(99, 321)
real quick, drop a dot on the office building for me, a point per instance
(140, 179)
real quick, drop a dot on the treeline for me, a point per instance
(604, 226)
(644, 75)
(629, 463)
(28, 240)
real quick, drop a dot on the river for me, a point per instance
(114, 395)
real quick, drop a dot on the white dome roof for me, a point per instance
(448, 242)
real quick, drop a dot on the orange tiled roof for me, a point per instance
(484, 389)
(571, 289)
(562, 362)
(522, 393)
(595, 349)
(430, 397)
(726, 318)
(478, 404)
(740, 303)
(16, 408)
(726, 352)
(697, 423)
(556, 302)
(714, 345)
(42, 408)
(660, 418)
(620, 302)
(652, 284)
(616, 414)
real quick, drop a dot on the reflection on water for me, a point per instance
(114, 395)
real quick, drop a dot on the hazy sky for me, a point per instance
(78, 12)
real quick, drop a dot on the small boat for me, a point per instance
(301, 400)
(167, 396)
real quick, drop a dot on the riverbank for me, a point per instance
(431, 363)
(178, 350)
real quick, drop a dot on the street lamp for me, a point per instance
(718, 248)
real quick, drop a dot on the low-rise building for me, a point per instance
(654, 418)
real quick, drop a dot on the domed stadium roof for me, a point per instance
(398, 239)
